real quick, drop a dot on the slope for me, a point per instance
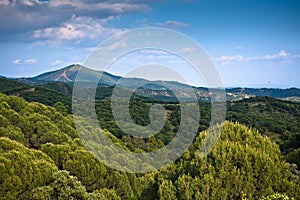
(35, 137)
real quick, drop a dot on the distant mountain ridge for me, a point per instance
(63, 79)
(69, 73)
(274, 92)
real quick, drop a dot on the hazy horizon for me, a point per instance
(114, 74)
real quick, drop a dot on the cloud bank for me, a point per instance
(63, 20)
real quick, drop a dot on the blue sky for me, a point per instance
(252, 43)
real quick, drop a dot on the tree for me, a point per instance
(167, 190)
(60, 107)
(64, 186)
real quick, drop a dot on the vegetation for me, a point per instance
(43, 158)
(280, 120)
(48, 94)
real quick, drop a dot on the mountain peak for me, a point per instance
(66, 74)
(73, 67)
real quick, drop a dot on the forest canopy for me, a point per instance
(42, 157)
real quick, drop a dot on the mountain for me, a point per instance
(161, 90)
(69, 73)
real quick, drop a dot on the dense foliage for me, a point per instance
(48, 94)
(280, 120)
(43, 158)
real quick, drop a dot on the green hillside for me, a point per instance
(280, 120)
(48, 94)
(277, 119)
(42, 158)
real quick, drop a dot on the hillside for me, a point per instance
(67, 74)
(273, 117)
(269, 92)
(48, 93)
(277, 119)
(42, 158)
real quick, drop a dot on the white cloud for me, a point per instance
(17, 61)
(17, 3)
(57, 62)
(281, 54)
(30, 2)
(77, 28)
(115, 7)
(234, 58)
(4, 2)
(30, 15)
(28, 61)
(173, 24)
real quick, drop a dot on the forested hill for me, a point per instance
(271, 92)
(278, 119)
(42, 158)
(48, 93)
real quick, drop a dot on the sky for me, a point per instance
(252, 43)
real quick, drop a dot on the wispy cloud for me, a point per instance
(282, 55)
(57, 62)
(173, 24)
(27, 61)
(17, 61)
(234, 58)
